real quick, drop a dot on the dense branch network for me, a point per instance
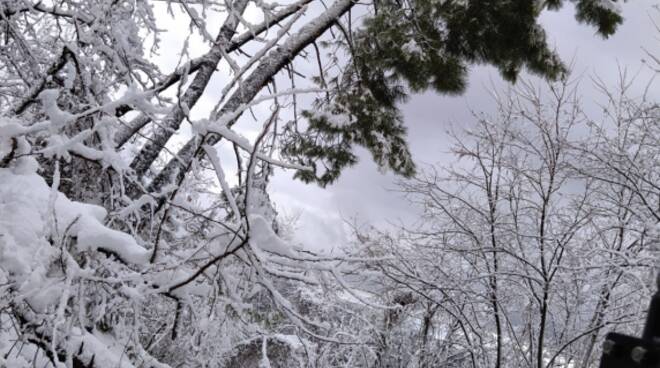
(141, 232)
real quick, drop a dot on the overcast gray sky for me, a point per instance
(365, 194)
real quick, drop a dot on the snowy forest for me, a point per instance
(138, 223)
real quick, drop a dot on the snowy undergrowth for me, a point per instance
(41, 230)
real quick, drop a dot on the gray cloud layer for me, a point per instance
(365, 193)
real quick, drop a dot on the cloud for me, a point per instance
(365, 192)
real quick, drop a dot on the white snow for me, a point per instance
(93, 235)
(106, 351)
(412, 47)
(24, 230)
(58, 118)
(263, 237)
(335, 120)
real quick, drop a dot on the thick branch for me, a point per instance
(265, 71)
(195, 64)
(31, 97)
(173, 120)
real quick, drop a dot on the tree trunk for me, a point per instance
(177, 167)
(171, 123)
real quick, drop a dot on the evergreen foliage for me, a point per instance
(424, 45)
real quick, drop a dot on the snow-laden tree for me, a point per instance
(136, 227)
(622, 157)
(539, 240)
